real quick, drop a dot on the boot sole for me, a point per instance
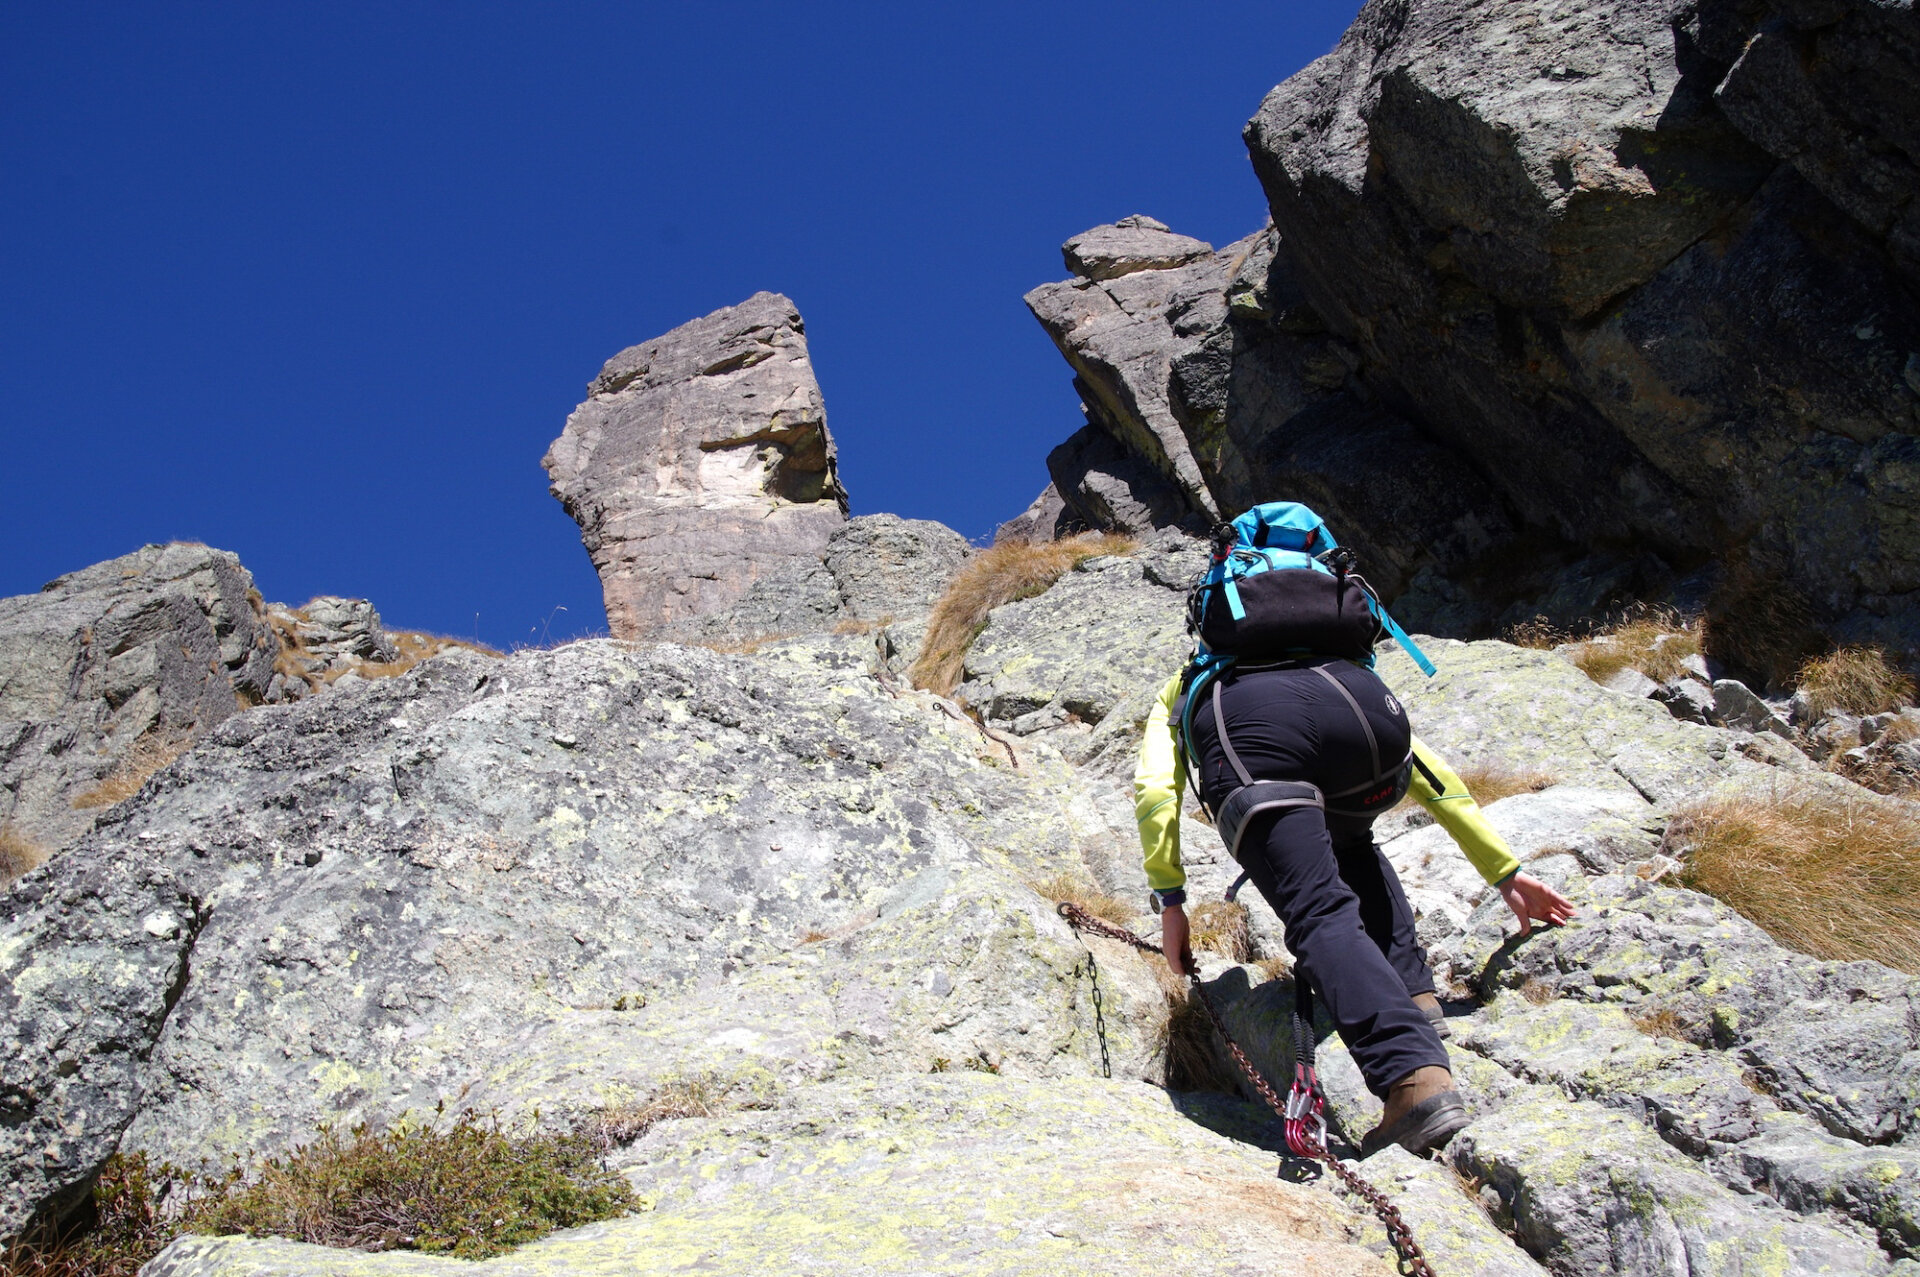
(1438, 1019)
(1428, 1125)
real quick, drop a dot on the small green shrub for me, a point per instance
(468, 1189)
(123, 1227)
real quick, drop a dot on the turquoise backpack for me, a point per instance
(1278, 588)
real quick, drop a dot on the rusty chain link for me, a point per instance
(1413, 1259)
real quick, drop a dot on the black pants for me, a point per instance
(1348, 922)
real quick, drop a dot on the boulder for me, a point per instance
(108, 672)
(1686, 699)
(1131, 244)
(1615, 1199)
(701, 464)
(323, 639)
(875, 568)
(885, 566)
(1553, 238)
(1735, 705)
(1106, 487)
(1210, 386)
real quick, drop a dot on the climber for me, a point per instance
(1297, 752)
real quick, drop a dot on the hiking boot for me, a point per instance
(1423, 1112)
(1435, 1013)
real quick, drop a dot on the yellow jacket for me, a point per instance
(1160, 780)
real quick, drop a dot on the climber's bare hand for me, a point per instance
(1173, 939)
(1534, 901)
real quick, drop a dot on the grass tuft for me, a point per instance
(1279, 965)
(1186, 1040)
(18, 854)
(1000, 574)
(1827, 871)
(618, 1126)
(1854, 680)
(298, 664)
(1666, 1023)
(1654, 640)
(146, 756)
(1492, 779)
(1065, 887)
(749, 646)
(1537, 633)
(414, 647)
(1223, 927)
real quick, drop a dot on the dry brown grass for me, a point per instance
(1537, 633)
(1828, 871)
(1187, 1041)
(18, 853)
(1276, 967)
(414, 647)
(739, 646)
(620, 1125)
(1537, 992)
(1854, 680)
(1001, 574)
(1223, 927)
(146, 756)
(1656, 641)
(1490, 780)
(1666, 1023)
(1065, 887)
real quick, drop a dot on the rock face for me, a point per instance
(699, 464)
(540, 884)
(1210, 386)
(874, 568)
(1640, 274)
(574, 877)
(113, 667)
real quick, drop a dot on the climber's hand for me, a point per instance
(1173, 939)
(1534, 901)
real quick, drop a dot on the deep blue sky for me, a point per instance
(318, 283)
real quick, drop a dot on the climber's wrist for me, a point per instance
(1170, 898)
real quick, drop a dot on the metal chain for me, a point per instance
(1099, 1016)
(1414, 1260)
